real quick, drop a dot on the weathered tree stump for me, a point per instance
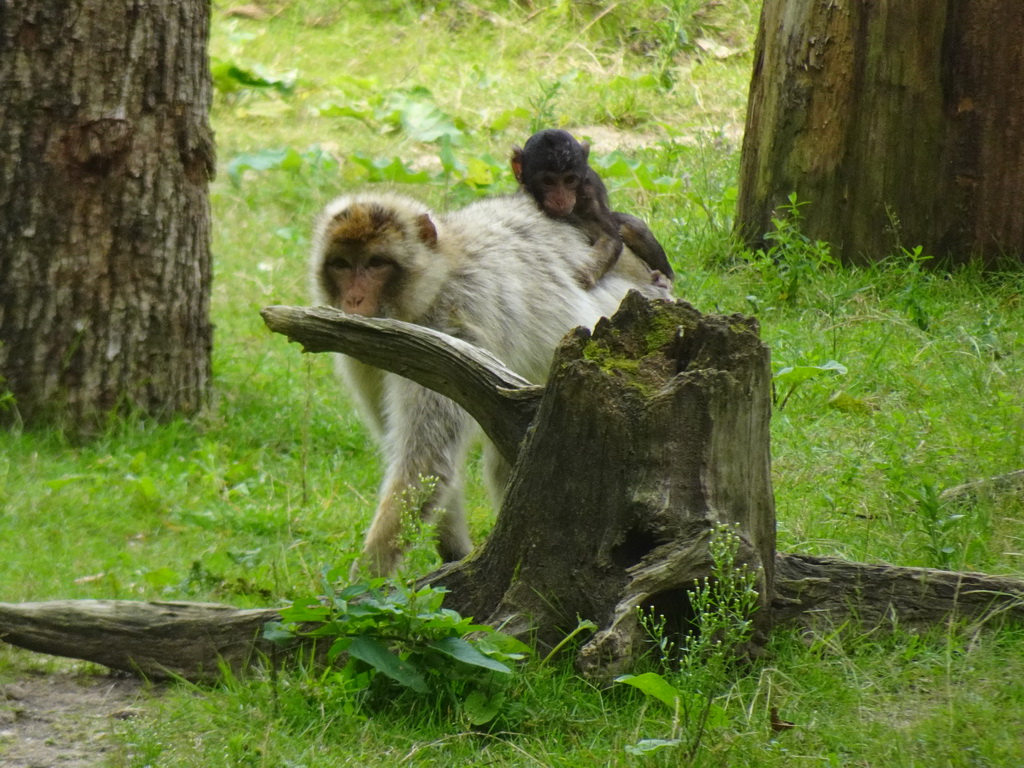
(650, 433)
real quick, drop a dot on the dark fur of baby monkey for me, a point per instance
(552, 167)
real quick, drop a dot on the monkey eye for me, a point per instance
(337, 263)
(570, 179)
(376, 262)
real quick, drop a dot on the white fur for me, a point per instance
(500, 276)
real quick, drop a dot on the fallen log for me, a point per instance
(192, 640)
(1010, 483)
(828, 591)
(157, 640)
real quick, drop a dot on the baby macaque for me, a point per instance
(552, 168)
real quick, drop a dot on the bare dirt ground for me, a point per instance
(61, 715)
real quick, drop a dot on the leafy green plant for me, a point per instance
(938, 522)
(675, 35)
(384, 635)
(791, 377)
(285, 159)
(912, 295)
(388, 169)
(793, 260)
(703, 658)
(230, 77)
(417, 116)
(467, 178)
(543, 106)
(9, 407)
(471, 177)
(618, 170)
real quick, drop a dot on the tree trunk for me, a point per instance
(900, 123)
(106, 153)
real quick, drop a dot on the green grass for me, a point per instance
(246, 504)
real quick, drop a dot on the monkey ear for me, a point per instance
(426, 230)
(517, 163)
(585, 146)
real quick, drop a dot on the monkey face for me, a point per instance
(552, 168)
(556, 193)
(367, 255)
(359, 282)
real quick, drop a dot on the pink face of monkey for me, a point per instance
(552, 168)
(557, 193)
(362, 272)
(359, 283)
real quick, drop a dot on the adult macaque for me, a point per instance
(498, 274)
(552, 168)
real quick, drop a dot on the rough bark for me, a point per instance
(105, 157)
(651, 432)
(157, 640)
(825, 591)
(900, 123)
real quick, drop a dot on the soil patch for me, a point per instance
(64, 716)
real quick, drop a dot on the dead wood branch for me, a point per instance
(501, 401)
(157, 640)
(826, 590)
(1010, 483)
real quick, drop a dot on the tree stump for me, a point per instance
(650, 433)
(899, 123)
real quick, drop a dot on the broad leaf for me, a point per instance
(276, 632)
(393, 170)
(263, 160)
(655, 686)
(459, 649)
(480, 708)
(307, 609)
(384, 661)
(229, 77)
(797, 374)
(360, 112)
(479, 173)
(338, 647)
(423, 121)
(649, 746)
(508, 646)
